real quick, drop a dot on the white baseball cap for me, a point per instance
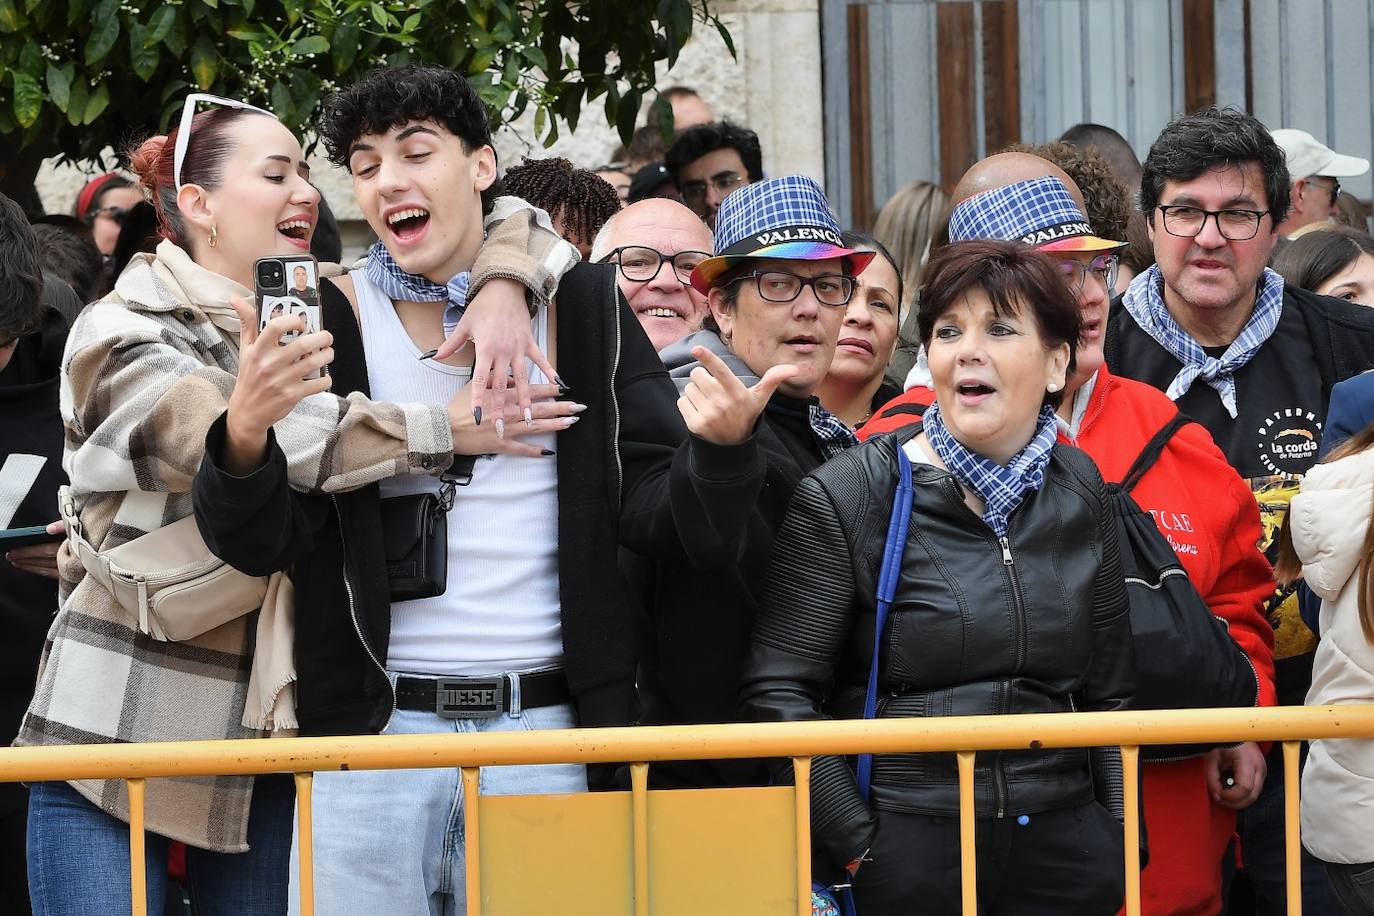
(1307, 156)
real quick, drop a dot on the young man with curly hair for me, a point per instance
(578, 201)
(531, 629)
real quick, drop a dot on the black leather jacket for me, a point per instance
(1035, 624)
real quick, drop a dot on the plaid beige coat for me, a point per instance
(145, 374)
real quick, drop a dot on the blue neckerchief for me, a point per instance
(1144, 300)
(1001, 488)
(830, 431)
(390, 278)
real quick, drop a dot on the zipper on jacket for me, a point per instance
(1019, 604)
(353, 610)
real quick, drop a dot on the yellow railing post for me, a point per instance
(472, 843)
(639, 792)
(305, 841)
(1292, 824)
(1130, 785)
(801, 771)
(968, 833)
(138, 864)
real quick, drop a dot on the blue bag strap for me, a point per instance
(893, 549)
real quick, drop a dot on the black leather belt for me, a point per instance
(480, 697)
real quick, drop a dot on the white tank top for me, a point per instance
(501, 608)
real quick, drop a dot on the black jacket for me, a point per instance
(622, 444)
(1342, 336)
(702, 557)
(968, 634)
(30, 425)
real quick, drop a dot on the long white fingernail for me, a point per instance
(500, 428)
(578, 408)
(569, 421)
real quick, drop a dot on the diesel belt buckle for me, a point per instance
(470, 698)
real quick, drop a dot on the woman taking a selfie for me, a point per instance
(146, 371)
(1008, 598)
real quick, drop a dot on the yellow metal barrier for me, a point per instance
(786, 810)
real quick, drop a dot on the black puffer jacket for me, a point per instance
(968, 634)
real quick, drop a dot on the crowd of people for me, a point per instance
(661, 442)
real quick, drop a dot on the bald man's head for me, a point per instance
(1008, 168)
(666, 305)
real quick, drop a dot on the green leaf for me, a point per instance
(536, 57)
(662, 114)
(177, 39)
(97, 103)
(76, 105)
(345, 46)
(159, 24)
(378, 14)
(412, 23)
(31, 5)
(204, 61)
(315, 44)
(28, 99)
(11, 20)
(725, 37)
(31, 60)
(281, 100)
(627, 114)
(541, 118)
(104, 31)
(247, 33)
(59, 87)
(142, 58)
(247, 7)
(482, 59)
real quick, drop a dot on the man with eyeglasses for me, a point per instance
(709, 161)
(1316, 171)
(655, 244)
(1251, 359)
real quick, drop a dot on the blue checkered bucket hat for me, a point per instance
(785, 217)
(1038, 212)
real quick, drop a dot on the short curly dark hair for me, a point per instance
(1194, 144)
(584, 200)
(1106, 198)
(391, 96)
(695, 142)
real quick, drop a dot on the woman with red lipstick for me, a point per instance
(146, 372)
(854, 386)
(1008, 597)
(1201, 508)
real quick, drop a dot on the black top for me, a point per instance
(1281, 396)
(33, 428)
(975, 628)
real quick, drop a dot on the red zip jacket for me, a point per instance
(1207, 513)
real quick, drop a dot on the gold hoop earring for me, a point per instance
(214, 234)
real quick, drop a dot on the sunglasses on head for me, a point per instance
(188, 111)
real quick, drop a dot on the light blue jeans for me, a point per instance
(391, 841)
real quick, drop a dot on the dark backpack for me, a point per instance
(1184, 654)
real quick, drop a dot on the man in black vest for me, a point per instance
(1251, 359)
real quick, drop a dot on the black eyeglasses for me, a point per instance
(1104, 267)
(1334, 189)
(117, 214)
(640, 263)
(1233, 224)
(694, 192)
(781, 286)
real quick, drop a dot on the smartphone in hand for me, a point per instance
(14, 538)
(288, 285)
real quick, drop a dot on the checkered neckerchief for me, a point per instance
(390, 278)
(1144, 300)
(1001, 488)
(831, 432)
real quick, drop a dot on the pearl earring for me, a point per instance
(1053, 387)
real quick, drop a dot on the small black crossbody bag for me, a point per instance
(415, 532)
